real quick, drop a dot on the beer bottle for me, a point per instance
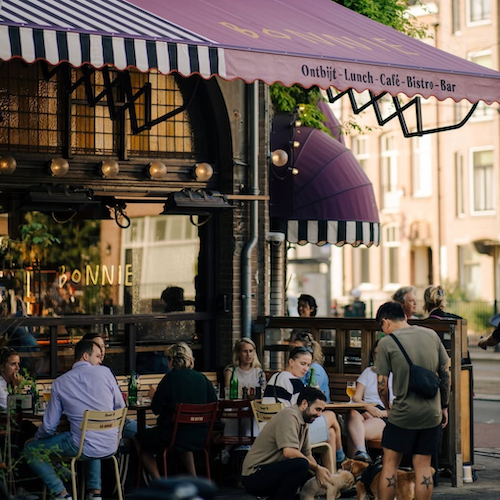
(233, 385)
(313, 382)
(132, 389)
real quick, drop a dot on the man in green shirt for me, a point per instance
(280, 460)
(415, 423)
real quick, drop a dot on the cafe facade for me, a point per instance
(137, 158)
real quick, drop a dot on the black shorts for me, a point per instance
(152, 440)
(412, 441)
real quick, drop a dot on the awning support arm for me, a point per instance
(124, 82)
(399, 113)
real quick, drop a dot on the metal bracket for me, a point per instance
(399, 113)
(123, 82)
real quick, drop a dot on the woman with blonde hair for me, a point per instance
(435, 302)
(246, 366)
(181, 385)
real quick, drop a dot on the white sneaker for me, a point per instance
(63, 497)
(93, 496)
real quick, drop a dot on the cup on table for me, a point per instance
(46, 396)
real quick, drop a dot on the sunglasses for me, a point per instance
(304, 349)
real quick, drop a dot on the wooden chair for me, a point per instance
(188, 414)
(98, 421)
(240, 411)
(263, 412)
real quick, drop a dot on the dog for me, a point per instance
(405, 489)
(341, 480)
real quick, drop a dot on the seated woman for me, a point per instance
(285, 386)
(246, 366)
(305, 339)
(368, 424)
(181, 385)
(10, 364)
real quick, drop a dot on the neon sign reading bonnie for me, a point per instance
(97, 275)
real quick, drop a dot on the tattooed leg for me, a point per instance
(424, 483)
(389, 474)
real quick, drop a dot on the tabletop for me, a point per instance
(348, 406)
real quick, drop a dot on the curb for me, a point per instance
(487, 397)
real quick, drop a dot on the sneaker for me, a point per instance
(63, 497)
(23, 494)
(93, 496)
(363, 457)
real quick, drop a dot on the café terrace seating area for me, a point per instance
(346, 344)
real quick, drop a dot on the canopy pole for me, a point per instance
(246, 257)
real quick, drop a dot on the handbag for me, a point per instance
(423, 382)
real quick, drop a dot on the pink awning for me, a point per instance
(317, 42)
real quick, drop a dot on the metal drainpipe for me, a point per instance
(246, 256)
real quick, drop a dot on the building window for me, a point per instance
(390, 263)
(479, 11)
(459, 185)
(483, 110)
(455, 16)
(482, 181)
(422, 166)
(360, 150)
(389, 174)
(361, 265)
(469, 271)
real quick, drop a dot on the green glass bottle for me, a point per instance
(233, 385)
(132, 389)
(313, 382)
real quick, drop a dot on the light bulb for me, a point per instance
(279, 157)
(295, 171)
(59, 167)
(296, 144)
(110, 168)
(157, 170)
(8, 165)
(203, 172)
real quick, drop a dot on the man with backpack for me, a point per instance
(415, 421)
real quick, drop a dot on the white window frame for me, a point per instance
(360, 148)
(456, 18)
(459, 184)
(483, 111)
(490, 184)
(421, 159)
(389, 170)
(468, 11)
(390, 241)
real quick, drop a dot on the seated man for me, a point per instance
(87, 386)
(280, 460)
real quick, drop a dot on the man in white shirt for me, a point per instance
(87, 386)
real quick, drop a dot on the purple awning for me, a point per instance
(314, 43)
(331, 199)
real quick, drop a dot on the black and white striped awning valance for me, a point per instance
(54, 46)
(333, 232)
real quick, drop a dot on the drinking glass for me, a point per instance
(351, 390)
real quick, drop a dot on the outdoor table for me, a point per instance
(343, 407)
(141, 410)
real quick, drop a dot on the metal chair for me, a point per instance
(188, 414)
(263, 412)
(98, 421)
(240, 411)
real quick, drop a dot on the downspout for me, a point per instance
(246, 256)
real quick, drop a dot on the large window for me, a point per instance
(459, 185)
(478, 11)
(361, 151)
(32, 105)
(361, 265)
(422, 166)
(483, 184)
(483, 110)
(469, 271)
(390, 253)
(455, 16)
(389, 174)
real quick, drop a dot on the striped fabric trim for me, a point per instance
(333, 232)
(116, 17)
(99, 50)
